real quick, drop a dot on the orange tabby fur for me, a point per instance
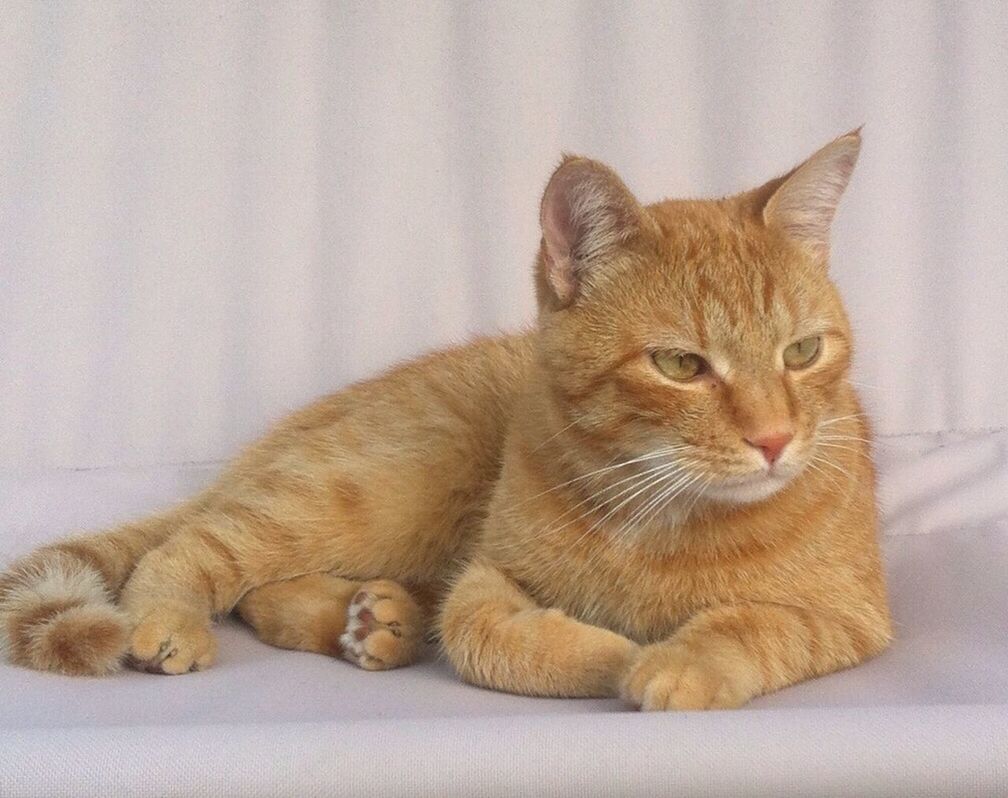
(595, 528)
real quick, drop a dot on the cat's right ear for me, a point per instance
(586, 215)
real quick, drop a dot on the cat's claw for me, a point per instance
(383, 627)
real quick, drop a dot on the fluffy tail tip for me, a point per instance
(87, 640)
(57, 615)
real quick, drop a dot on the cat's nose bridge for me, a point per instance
(760, 407)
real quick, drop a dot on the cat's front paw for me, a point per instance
(672, 676)
(384, 627)
(173, 642)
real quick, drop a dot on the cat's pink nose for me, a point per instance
(771, 444)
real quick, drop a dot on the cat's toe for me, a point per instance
(384, 627)
(674, 677)
(171, 643)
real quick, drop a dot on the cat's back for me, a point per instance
(395, 471)
(465, 389)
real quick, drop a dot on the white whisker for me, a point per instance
(668, 473)
(698, 493)
(596, 499)
(812, 464)
(638, 516)
(665, 495)
(663, 452)
(558, 433)
(669, 495)
(843, 438)
(821, 458)
(830, 421)
(851, 449)
(649, 483)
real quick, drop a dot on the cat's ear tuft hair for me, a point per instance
(802, 203)
(586, 213)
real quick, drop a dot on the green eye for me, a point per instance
(679, 366)
(802, 353)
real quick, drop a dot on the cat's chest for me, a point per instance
(643, 593)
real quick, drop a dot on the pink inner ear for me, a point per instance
(586, 212)
(558, 235)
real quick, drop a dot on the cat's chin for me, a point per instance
(748, 489)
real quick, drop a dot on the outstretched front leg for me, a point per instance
(496, 636)
(726, 655)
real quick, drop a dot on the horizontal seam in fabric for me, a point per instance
(220, 462)
(949, 529)
(922, 433)
(125, 467)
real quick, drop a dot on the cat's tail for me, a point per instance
(57, 605)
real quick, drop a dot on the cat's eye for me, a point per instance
(679, 366)
(803, 353)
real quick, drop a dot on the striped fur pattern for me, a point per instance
(573, 520)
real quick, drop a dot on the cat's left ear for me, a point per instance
(802, 203)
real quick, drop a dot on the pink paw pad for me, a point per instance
(374, 637)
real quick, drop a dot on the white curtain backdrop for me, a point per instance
(211, 212)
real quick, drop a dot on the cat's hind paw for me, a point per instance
(384, 627)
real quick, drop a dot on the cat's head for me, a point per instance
(706, 329)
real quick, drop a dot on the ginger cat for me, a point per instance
(664, 491)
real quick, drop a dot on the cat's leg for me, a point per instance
(221, 555)
(375, 624)
(497, 636)
(173, 594)
(200, 572)
(727, 655)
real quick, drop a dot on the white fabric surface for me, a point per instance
(212, 211)
(927, 718)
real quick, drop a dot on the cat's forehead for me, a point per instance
(728, 286)
(713, 240)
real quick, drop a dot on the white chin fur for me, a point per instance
(752, 490)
